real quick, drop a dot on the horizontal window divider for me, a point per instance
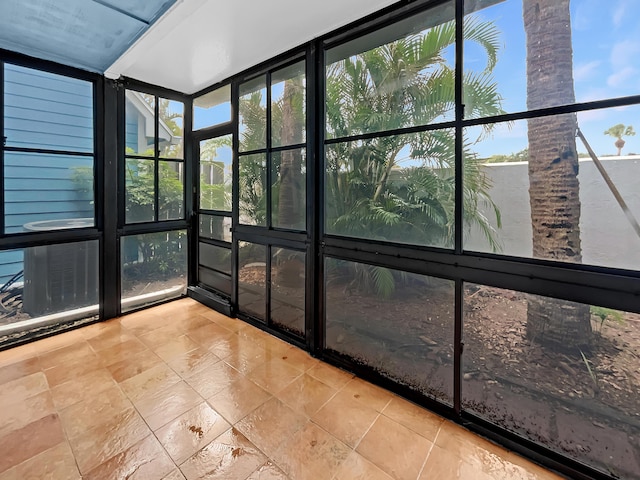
(557, 110)
(140, 157)
(284, 148)
(281, 61)
(51, 237)
(47, 151)
(218, 213)
(214, 131)
(177, 160)
(148, 88)
(271, 237)
(153, 227)
(246, 153)
(390, 133)
(200, 265)
(214, 242)
(578, 283)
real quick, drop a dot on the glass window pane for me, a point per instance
(140, 123)
(564, 61)
(531, 175)
(287, 290)
(398, 76)
(558, 373)
(397, 189)
(401, 324)
(217, 258)
(47, 111)
(215, 280)
(288, 105)
(47, 192)
(253, 191)
(140, 190)
(171, 194)
(212, 108)
(215, 227)
(45, 280)
(252, 270)
(253, 115)
(154, 267)
(171, 128)
(289, 189)
(216, 159)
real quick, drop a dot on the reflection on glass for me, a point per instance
(288, 107)
(398, 323)
(154, 267)
(287, 290)
(537, 173)
(214, 257)
(398, 76)
(212, 108)
(171, 194)
(561, 48)
(397, 189)
(252, 286)
(559, 373)
(45, 280)
(140, 123)
(253, 189)
(47, 111)
(289, 189)
(171, 128)
(139, 190)
(215, 227)
(220, 282)
(253, 115)
(47, 192)
(216, 173)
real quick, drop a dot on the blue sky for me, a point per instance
(606, 48)
(606, 44)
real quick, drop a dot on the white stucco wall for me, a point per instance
(606, 235)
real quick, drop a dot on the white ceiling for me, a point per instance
(200, 42)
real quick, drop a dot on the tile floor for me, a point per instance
(180, 391)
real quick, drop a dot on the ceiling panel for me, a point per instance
(88, 34)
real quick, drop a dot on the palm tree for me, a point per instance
(618, 131)
(405, 83)
(553, 169)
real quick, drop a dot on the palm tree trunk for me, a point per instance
(553, 170)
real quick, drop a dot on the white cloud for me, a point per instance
(619, 13)
(619, 78)
(585, 71)
(624, 53)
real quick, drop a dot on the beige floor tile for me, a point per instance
(395, 449)
(232, 324)
(175, 475)
(207, 335)
(190, 322)
(85, 387)
(238, 399)
(142, 322)
(145, 460)
(99, 444)
(356, 467)
(121, 351)
(225, 346)
(161, 407)
(269, 424)
(94, 411)
(230, 456)
(332, 376)
(193, 361)
(246, 356)
(191, 431)
(311, 454)
(414, 417)
(67, 354)
(153, 380)
(22, 388)
(464, 444)
(368, 394)
(16, 354)
(447, 465)
(345, 418)
(176, 347)
(209, 381)
(134, 365)
(31, 440)
(306, 395)
(159, 336)
(274, 375)
(57, 341)
(71, 370)
(299, 359)
(115, 335)
(24, 412)
(519, 468)
(21, 368)
(268, 471)
(56, 463)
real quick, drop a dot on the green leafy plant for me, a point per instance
(607, 314)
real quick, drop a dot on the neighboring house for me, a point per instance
(45, 111)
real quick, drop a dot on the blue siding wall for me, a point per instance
(131, 129)
(50, 112)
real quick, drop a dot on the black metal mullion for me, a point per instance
(46, 151)
(269, 165)
(2, 146)
(267, 311)
(235, 194)
(156, 157)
